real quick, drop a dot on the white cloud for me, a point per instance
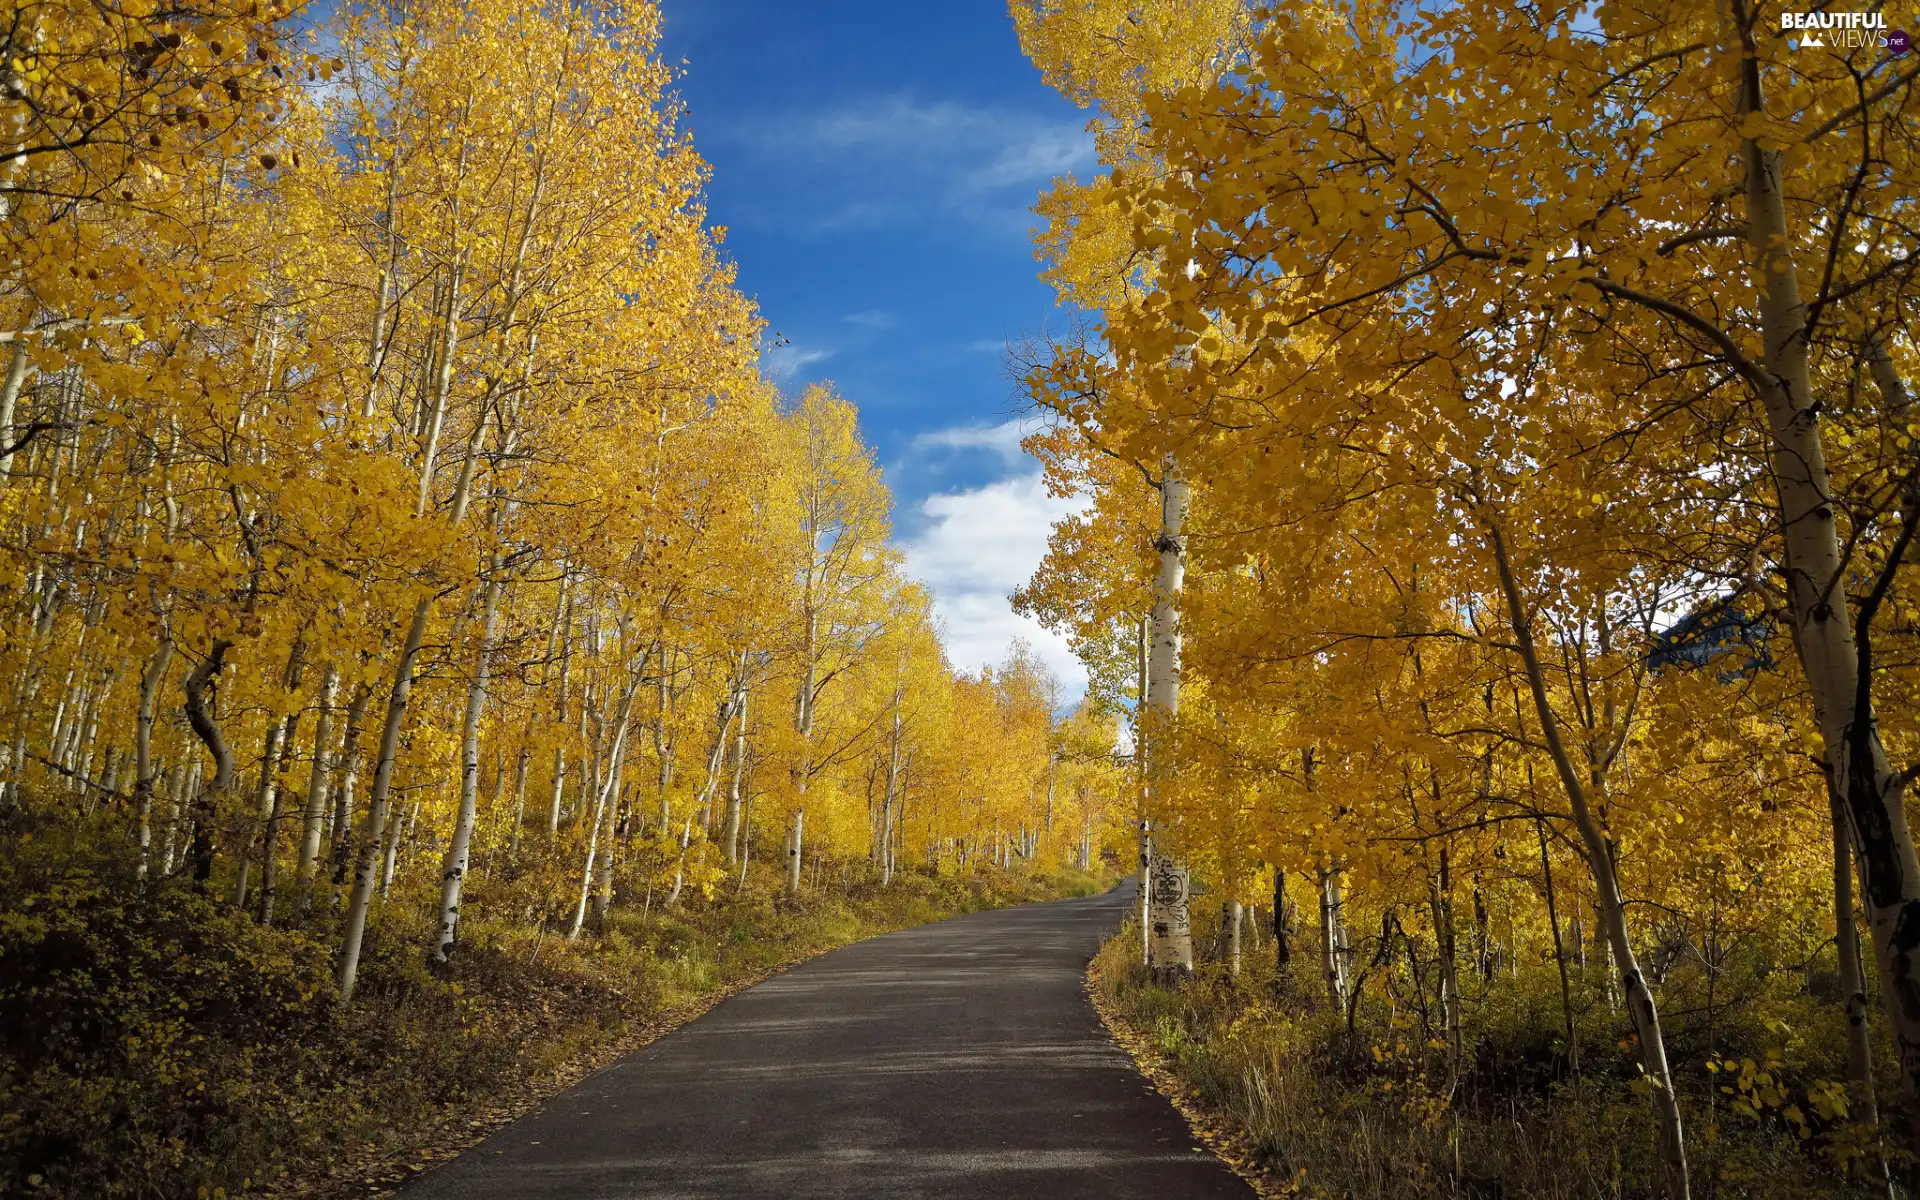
(784, 362)
(873, 318)
(894, 160)
(1002, 440)
(973, 549)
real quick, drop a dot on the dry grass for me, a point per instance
(1317, 1111)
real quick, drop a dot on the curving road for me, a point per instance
(959, 1059)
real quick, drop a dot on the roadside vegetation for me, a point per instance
(1372, 1101)
(157, 1042)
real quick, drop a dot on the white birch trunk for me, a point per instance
(1333, 938)
(150, 681)
(795, 831)
(521, 762)
(454, 873)
(803, 769)
(398, 837)
(1171, 949)
(270, 842)
(731, 833)
(347, 969)
(18, 368)
(887, 801)
(263, 808)
(619, 812)
(1144, 916)
(313, 833)
(343, 806)
(1231, 915)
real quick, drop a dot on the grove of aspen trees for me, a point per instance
(1497, 421)
(412, 582)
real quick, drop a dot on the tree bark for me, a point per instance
(1230, 914)
(347, 968)
(313, 834)
(796, 830)
(263, 809)
(206, 803)
(1282, 935)
(884, 860)
(454, 872)
(150, 681)
(730, 834)
(343, 803)
(1171, 950)
(1333, 938)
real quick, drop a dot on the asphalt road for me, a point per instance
(956, 1059)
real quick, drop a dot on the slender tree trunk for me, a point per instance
(397, 840)
(1440, 900)
(619, 815)
(206, 803)
(1282, 935)
(731, 834)
(269, 858)
(1559, 951)
(313, 834)
(343, 805)
(150, 681)
(264, 802)
(186, 785)
(1333, 938)
(893, 780)
(601, 807)
(803, 768)
(1145, 914)
(1230, 915)
(18, 367)
(454, 873)
(347, 969)
(520, 764)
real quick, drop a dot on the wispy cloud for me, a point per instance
(896, 160)
(873, 318)
(1002, 440)
(785, 362)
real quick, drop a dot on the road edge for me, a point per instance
(1226, 1140)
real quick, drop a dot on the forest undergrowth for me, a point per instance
(1365, 1104)
(145, 1031)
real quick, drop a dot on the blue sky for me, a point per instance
(874, 164)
